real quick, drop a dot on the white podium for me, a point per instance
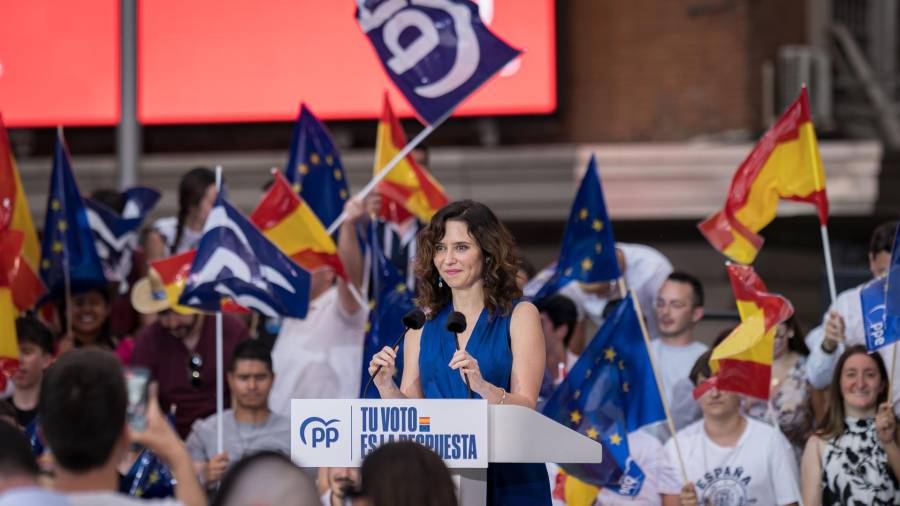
(338, 432)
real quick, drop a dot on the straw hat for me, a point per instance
(149, 296)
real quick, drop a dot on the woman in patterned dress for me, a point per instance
(854, 460)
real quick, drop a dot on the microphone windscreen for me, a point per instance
(456, 322)
(414, 319)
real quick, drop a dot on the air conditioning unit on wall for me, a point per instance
(799, 65)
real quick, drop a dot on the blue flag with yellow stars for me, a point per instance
(588, 253)
(610, 391)
(391, 300)
(314, 168)
(68, 242)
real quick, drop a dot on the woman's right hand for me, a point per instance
(387, 360)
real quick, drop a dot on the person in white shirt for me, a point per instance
(842, 324)
(678, 309)
(729, 459)
(320, 356)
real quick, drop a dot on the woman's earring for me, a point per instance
(440, 282)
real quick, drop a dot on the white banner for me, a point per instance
(341, 432)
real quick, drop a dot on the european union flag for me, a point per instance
(67, 243)
(392, 299)
(588, 253)
(148, 478)
(610, 392)
(437, 53)
(235, 261)
(314, 168)
(115, 235)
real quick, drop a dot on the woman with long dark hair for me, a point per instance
(173, 235)
(91, 311)
(466, 262)
(855, 457)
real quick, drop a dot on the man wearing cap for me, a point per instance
(179, 349)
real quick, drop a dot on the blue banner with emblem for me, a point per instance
(892, 295)
(610, 392)
(872, 301)
(235, 261)
(437, 52)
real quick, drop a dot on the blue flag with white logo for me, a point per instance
(391, 300)
(610, 391)
(67, 243)
(437, 52)
(115, 234)
(314, 168)
(892, 295)
(872, 301)
(588, 253)
(235, 261)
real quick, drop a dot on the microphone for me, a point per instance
(413, 320)
(456, 323)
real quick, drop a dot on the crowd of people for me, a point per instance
(826, 435)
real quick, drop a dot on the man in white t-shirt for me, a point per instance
(678, 309)
(729, 459)
(320, 356)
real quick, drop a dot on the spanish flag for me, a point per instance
(408, 189)
(22, 277)
(286, 220)
(784, 164)
(742, 362)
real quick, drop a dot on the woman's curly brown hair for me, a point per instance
(498, 249)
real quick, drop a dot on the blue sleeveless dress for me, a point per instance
(508, 484)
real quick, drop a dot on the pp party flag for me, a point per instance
(408, 185)
(872, 298)
(610, 392)
(234, 260)
(436, 52)
(116, 234)
(22, 278)
(742, 362)
(286, 220)
(391, 300)
(67, 248)
(892, 295)
(588, 253)
(784, 164)
(314, 168)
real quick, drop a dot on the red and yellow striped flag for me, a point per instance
(9, 347)
(742, 362)
(286, 220)
(784, 164)
(408, 189)
(22, 277)
(164, 283)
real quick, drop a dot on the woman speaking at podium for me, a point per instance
(466, 262)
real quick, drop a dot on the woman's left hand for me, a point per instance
(468, 367)
(886, 424)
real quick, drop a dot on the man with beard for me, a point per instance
(340, 481)
(248, 427)
(679, 306)
(179, 349)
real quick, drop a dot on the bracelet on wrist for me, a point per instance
(828, 349)
(503, 395)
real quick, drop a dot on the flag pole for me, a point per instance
(893, 368)
(220, 389)
(67, 277)
(829, 267)
(393, 163)
(659, 386)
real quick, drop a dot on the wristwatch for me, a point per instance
(825, 347)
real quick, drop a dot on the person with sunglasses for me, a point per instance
(179, 349)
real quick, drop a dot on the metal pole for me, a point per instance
(128, 134)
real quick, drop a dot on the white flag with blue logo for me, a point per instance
(235, 261)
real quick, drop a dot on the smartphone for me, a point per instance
(136, 381)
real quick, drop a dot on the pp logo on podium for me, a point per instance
(319, 432)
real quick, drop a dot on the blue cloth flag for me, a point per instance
(67, 243)
(892, 295)
(610, 391)
(872, 300)
(148, 478)
(437, 52)
(314, 168)
(116, 235)
(392, 299)
(588, 253)
(234, 260)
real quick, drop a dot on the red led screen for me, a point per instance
(59, 62)
(203, 61)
